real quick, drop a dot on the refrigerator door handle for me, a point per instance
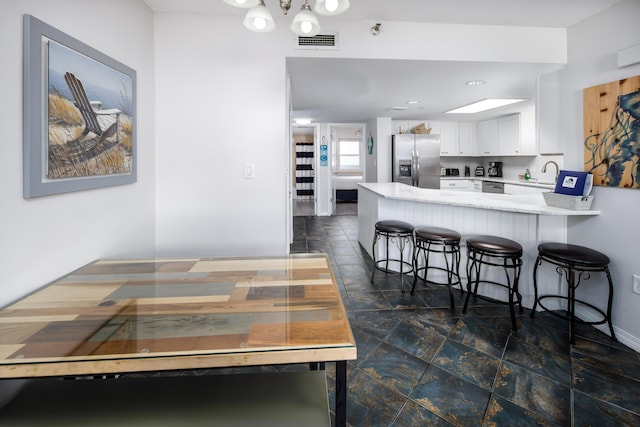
(417, 170)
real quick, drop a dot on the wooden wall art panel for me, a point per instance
(612, 133)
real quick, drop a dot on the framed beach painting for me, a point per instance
(79, 115)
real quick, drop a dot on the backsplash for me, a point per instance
(511, 166)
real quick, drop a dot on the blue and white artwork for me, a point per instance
(90, 116)
(612, 133)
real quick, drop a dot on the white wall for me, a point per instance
(370, 160)
(221, 94)
(221, 104)
(43, 238)
(592, 61)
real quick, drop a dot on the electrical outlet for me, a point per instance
(636, 283)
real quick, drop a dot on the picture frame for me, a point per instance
(79, 115)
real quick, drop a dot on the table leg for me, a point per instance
(341, 394)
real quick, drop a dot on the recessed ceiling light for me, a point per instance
(475, 82)
(484, 105)
(399, 108)
(413, 102)
(303, 121)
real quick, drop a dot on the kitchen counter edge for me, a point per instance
(520, 203)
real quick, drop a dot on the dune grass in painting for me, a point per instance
(72, 154)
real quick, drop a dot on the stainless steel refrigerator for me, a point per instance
(416, 160)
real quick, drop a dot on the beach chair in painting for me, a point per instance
(100, 122)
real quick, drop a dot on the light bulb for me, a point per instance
(241, 2)
(331, 5)
(306, 27)
(260, 23)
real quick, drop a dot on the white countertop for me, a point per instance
(530, 183)
(522, 203)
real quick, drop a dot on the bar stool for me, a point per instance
(576, 263)
(400, 233)
(438, 240)
(498, 252)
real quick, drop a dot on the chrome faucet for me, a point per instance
(544, 168)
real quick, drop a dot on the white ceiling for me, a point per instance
(353, 90)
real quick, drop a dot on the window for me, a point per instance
(348, 155)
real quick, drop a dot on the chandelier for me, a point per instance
(305, 23)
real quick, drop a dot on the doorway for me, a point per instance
(304, 166)
(347, 165)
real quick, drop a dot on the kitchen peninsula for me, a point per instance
(524, 218)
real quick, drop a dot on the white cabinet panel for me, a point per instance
(503, 136)
(488, 137)
(449, 132)
(548, 105)
(456, 184)
(509, 135)
(466, 133)
(523, 189)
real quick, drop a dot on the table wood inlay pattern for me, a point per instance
(134, 315)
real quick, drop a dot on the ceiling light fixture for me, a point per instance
(303, 121)
(331, 7)
(475, 82)
(305, 23)
(484, 105)
(259, 19)
(375, 30)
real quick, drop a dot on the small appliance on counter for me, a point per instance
(495, 169)
(452, 172)
(479, 170)
(467, 171)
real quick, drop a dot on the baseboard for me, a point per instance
(624, 337)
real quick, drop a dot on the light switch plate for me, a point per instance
(636, 284)
(249, 170)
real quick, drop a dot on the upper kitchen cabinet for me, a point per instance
(511, 135)
(449, 139)
(456, 139)
(548, 105)
(466, 138)
(487, 138)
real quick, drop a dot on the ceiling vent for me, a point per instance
(321, 41)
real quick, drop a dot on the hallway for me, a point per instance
(421, 364)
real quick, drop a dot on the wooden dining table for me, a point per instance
(118, 316)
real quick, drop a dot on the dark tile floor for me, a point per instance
(419, 363)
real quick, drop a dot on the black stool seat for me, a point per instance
(576, 263)
(500, 252)
(393, 226)
(494, 245)
(437, 240)
(573, 254)
(438, 233)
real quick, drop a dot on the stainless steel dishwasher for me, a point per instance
(492, 187)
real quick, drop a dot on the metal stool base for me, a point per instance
(475, 260)
(450, 250)
(569, 271)
(401, 240)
